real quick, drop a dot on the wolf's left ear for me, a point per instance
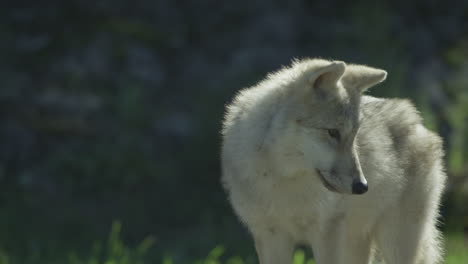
(325, 79)
(362, 77)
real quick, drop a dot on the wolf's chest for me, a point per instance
(298, 202)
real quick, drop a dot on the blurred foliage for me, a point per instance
(114, 251)
(457, 112)
(112, 109)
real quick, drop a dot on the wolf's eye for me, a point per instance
(334, 133)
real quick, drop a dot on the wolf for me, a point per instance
(308, 159)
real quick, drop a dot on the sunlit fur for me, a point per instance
(275, 138)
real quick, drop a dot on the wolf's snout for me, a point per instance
(359, 187)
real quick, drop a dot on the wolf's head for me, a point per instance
(323, 120)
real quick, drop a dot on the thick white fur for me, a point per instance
(275, 139)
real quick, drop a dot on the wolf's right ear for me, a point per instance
(324, 81)
(362, 77)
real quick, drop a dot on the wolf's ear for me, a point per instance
(362, 77)
(325, 79)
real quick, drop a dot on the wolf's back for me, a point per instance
(393, 136)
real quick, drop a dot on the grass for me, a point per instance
(114, 251)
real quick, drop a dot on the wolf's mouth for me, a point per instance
(325, 182)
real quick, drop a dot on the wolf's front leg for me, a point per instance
(355, 247)
(339, 243)
(325, 244)
(273, 246)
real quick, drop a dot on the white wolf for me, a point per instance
(301, 142)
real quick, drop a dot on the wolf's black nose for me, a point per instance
(359, 187)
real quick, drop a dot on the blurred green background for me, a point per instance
(110, 114)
